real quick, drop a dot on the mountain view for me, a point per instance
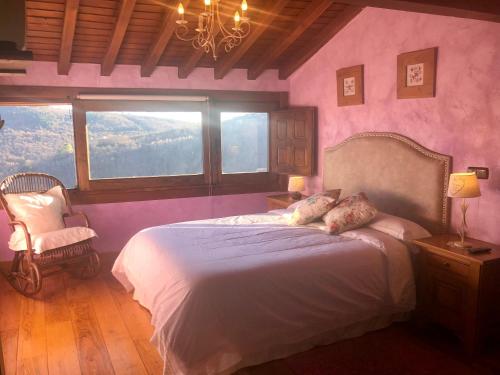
(126, 144)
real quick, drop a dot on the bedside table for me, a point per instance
(278, 201)
(459, 290)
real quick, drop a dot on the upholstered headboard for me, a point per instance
(400, 176)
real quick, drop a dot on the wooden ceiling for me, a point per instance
(285, 33)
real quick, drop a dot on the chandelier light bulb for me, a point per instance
(180, 9)
(207, 3)
(244, 6)
(237, 17)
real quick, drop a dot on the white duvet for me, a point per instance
(232, 292)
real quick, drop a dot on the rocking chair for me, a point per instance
(31, 264)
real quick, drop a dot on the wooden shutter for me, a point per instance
(292, 142)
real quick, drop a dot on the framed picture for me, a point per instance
(350, 86)
(417, 74)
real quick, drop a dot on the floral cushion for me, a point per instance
(351, 213)
(335, 194)
(312, 208)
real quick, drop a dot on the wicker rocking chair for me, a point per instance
(29, 268)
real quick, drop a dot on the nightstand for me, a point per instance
(459, 290)
(275, 202)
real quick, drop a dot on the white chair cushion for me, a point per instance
(41, 212)
(51, 240)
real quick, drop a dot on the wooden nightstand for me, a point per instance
(275, 202)
(459, 290)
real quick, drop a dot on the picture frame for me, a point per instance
(350, 86)
(416, 74)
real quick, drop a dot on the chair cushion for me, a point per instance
(51, 240)
(41, 212)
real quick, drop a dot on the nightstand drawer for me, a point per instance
(448, 265)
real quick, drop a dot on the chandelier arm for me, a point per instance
(206, 32)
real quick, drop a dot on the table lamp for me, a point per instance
(463, 185)
(296, 184)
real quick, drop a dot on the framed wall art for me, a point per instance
(350, 86)
(417, 74)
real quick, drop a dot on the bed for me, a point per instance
(232, 292)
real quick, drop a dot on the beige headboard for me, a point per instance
(400, 176)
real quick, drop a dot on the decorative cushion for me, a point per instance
(312, 208)
(398, 227)
(351, 213)
(41, 212)
(334, 193)
(51, 240)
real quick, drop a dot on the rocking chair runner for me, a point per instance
(29, 268)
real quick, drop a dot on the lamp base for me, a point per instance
(295, 195)
(459, 244)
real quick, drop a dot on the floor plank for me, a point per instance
(32, 344)
(92, 352)
(9, 345)
(62, 352)
(121, 348)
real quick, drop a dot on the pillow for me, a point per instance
(51, 240)
(41, 212)
(351, 213)
(335, 194)
(398, 227)
(311, 208)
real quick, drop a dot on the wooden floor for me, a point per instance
(89, 327)
(95, 327)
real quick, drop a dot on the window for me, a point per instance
(244, 142)
(144, 144)
(38, 139)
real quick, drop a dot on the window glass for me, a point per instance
(144, 144)
(38, 139)
(244, 140)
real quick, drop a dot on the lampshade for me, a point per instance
(463, 185)
(296, 183)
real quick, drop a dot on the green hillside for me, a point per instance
(124, 144)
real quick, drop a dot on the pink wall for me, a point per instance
(463, 120)
(117, 222)
(126, 76)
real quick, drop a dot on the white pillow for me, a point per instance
(51, 240)
(398, 227)
(41, 212)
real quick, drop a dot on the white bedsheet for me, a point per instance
(232, 292)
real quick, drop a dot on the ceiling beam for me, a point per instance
(304, 21)
(69, 26)
(486, 10)
(160, 43)
(124, 15)
(314, 45)
(226, 63)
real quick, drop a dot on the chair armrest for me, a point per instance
(27, 235)
(78, 213)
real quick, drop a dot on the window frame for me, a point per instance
(86, 183)
(35, 102)
(211, 182)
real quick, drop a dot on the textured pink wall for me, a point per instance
(126, 76)
(117, 222)
(464, 118)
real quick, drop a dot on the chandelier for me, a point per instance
(211, 33)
